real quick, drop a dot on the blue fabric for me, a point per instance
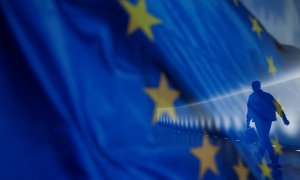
(73, 104)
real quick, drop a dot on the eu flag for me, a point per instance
(134, 89)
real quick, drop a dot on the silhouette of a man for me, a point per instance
(262, 108)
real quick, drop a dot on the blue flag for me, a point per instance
(95, 89)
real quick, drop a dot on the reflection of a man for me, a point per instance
(262, 108)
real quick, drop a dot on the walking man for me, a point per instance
(262, 108)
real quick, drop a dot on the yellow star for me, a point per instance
(266, 171)
(256, 27)
(139, 18)
(241, 170)
(278, 147)
(164, 98)
(236, 2)
(206, 155)
(272, 68)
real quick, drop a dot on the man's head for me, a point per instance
(256, 86)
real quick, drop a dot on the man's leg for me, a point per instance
(268, 144)
(261, 143)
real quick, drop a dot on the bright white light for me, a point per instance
(226, 123)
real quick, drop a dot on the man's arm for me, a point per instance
(249, 115)
(281, 112)
(248, 119)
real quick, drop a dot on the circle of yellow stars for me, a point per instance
(164, 97)
(141, 19)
